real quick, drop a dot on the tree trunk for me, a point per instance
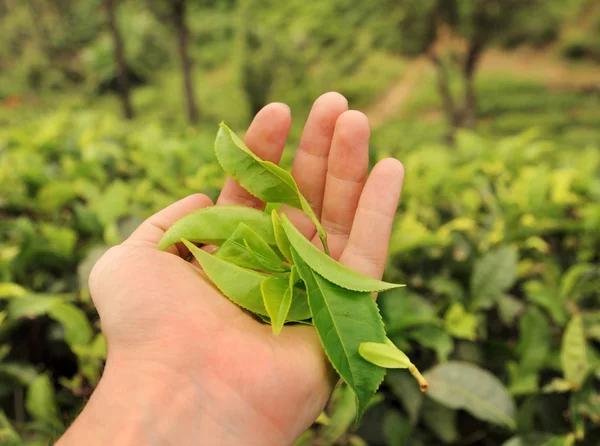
(450, 110)
(470, 107)
(178, 13)
(122, 75)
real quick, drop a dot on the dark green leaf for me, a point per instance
(493, 274)
(461, 385)
(344, 319)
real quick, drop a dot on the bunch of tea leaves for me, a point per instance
(265, 265)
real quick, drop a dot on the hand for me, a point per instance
(187, 366)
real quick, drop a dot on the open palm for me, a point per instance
(166, 324)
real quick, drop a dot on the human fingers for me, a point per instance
(266, 137)
(346, 174)
(367, 248)
(150, 232)
(310, 162)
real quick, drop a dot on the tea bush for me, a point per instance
(497, 241)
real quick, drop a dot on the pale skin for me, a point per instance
(186, 366)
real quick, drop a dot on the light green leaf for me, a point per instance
(342, 416)
(558, 385)
(569, 280)
(8, 435)
(397, 430)
(406, 389)
(247, 249)
(441, 420)
(41, 402)
(343, 320)
(509, 308)
(8, 290)
(402, 309)
(31, 306)
(263, 179)
(459, 323)
(21, 372)
(389, 356)
(277, 297)
(534, 341)
(462, 385)
(327, 267)
(573, 355)
(240, 285)
(215, 224)
(493, 274)
(533, 439)
(435, 338)
(282, 241)
(78, 330)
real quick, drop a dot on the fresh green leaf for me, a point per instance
(441, 420)
(8, 434)
(573, 356)
(558, 385)
(532, 439)
(240, 285)
(263, 179)
(459, 323)
(41, 402)
(31, 306)
(434, 338)
(509, 308)
(277, 297)
(402, 309)
(328, 268)
(397, 429)
(389, 356)
(8, 290)
(78, 330)
(534, 341)
(282, 241)
(215, 224)
(493, 274)
(461, 385)
(342, 416)
(406, 389)
(247, 249)
(343, 320)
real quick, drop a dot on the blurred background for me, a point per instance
(108, 111)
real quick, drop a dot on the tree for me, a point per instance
(454, 34)
(121, 65)
(174, 12)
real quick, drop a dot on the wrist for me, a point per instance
(139, 402)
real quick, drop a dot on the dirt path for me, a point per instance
(554, 72)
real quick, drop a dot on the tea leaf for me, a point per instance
(493, 274)
(215, 224)
(389, 356)
(247, 249)
(534, 341)
(240, 285)
(459, 323)
(78, 330)
(327, 267)
(573, 355)
(41, 402)
(277, 297)
(343, 320)
(282, 241)
(7, 431)
(299, 310)
(441, 420)
(461, 385)
(263, 179)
